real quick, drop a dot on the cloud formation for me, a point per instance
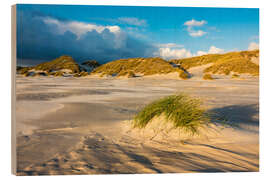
(253, 46)
(41, 37)
(212, 50)
(78, 28)
(168, 53)
(172, 52)
(196, 33)
(193, 23)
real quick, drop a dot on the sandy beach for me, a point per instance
(67, 125)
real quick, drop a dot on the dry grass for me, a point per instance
(63, 62)
(91, 63)
(183, 75)
(235, 76)
(207, 77)
(145, 66)
(237, 65)
(239, 62)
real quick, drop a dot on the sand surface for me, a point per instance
(81, 126)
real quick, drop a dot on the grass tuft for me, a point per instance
(235, 76)
(207, 77)
(185, 112)
(183, 75)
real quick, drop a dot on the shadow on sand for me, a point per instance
(237, 115)
(99, 154)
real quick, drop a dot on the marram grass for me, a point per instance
(183, 111)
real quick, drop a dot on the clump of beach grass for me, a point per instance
(235, 76)
(184, 112)
(207, 77)
(183, 75)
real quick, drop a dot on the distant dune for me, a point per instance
(244, 62)
(138, 66)
(214, 66)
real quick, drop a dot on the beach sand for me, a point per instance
(81, 126)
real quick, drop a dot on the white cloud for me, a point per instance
(253, 46)
(215, 50)
(196, 33)
(168, 53)
(79, 28)
(193, 22)
(212, 50)
(200, 53)
(133, 21)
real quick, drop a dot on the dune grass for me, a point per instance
(188, 63)
(238, 65)
(235, 76)
(143, 66)
(63, 62)
(232, 62)
(183, 75)
(207, 77)
(186, 113)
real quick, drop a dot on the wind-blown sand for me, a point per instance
(80, 126)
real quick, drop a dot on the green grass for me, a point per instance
(207, 77)
(186, 113)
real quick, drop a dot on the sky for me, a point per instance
(106, 33)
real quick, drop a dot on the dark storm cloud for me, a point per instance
(41, 40)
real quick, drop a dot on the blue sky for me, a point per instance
(106, 33)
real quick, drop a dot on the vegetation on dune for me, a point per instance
(58, 73)
(131, 74)
(84, 74)
(233, 62)
(183, 75)
(237, 65)
(81, 74)
(239, 62)
(91, 63)
(188, 63)
(63, 62)
(56, 67)
(18, 68)
(27, 73)
(24, 70)
(207, 77)
(144, 66)
(235, 76)
(186, 113)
